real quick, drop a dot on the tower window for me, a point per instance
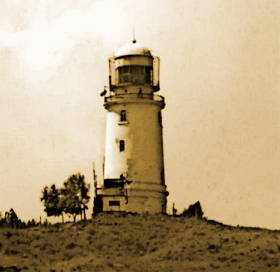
(122, 145)
(123, 115)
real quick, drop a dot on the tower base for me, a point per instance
(143, 198)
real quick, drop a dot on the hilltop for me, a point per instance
(126, 242)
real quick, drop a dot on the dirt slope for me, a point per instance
(140, 243)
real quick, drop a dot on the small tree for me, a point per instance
(13, 218)
(51, 200)
(193, 210)
(75, 195)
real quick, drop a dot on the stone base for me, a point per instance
(131, 199)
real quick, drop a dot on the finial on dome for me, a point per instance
(133, 48)
(134, 39)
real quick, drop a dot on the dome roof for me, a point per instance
(133, 48)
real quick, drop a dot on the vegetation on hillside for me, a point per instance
(123, 242)
(127, 242)
(10, 220)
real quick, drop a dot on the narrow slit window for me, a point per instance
(122, 145)
(162, 176)
(123, 115)
(160, 118)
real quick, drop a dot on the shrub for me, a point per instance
(193, 210)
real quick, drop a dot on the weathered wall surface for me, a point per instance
(142, 158)
(142, 162)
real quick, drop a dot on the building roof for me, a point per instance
(133, 48)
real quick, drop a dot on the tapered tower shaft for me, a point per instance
(134, 163)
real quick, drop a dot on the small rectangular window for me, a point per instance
(123, 116)
(114, 203)
(122, 145)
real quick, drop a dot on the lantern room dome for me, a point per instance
(133, 48)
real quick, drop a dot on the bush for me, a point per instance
(193, 210)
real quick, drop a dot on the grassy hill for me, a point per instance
(118, 242)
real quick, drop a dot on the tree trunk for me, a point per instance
(74, 218)
(84, 211)
(62, 216)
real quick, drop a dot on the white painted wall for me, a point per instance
(142, 159)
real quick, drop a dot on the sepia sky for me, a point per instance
(219, 74)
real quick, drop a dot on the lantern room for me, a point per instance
(133, 66)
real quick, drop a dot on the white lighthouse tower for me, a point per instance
(134, 164)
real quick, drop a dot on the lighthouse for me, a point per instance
(133, 170)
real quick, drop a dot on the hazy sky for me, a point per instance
(219, 74)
